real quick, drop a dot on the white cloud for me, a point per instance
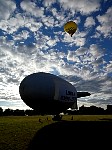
(48, 21)
(58, 15)
(48, 3)
(77, 39)
(80, 41)
(89, 22)
(6, 9)
(105, 21)
(109, 67)
(14, 23)
(98, 62)
(96, 51)
(88, 61)
(51, 42)
(31, 8)
(81, 51)
(72, 56)
(83, 6)
(21, 36)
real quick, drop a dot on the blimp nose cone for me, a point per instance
(36, 87)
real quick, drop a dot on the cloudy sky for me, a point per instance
(32, 39)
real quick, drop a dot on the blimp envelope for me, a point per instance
(47, 92)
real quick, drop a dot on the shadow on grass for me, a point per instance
(72, 134)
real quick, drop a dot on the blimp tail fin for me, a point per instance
(83, 94)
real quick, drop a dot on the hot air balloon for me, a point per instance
(70, 27)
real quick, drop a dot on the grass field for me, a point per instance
(29, 133)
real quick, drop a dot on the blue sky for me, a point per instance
(32, 39)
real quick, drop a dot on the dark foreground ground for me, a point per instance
(73, 134)
(79, 132)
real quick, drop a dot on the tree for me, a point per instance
(1, 111)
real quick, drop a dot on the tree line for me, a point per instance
(92, 110)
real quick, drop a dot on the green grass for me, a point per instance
(88, 117)
(16, 132)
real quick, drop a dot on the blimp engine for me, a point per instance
(47, 93)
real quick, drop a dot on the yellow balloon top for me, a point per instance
(70, 27)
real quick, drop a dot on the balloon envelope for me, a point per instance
(70, 27)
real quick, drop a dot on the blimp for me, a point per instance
(48, 93)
